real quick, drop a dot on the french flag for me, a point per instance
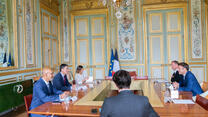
(116, 65)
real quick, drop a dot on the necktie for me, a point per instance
(174, 74)
(65, 77)
(50, 87)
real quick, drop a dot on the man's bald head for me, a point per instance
(47, 74)
(46, 69)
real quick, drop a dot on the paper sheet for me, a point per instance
(90, 80)
(183, 102)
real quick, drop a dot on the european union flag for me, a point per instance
(10, 60)
(111, 63)
(5, 58)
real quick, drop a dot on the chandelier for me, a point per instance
(117, 5)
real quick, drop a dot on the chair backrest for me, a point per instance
(204, 86)
(202, 102)
(27, 99)
(133, 73)
(36, 78)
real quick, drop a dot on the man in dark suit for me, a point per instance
(189, 82)
(176, 77)
(126, 104)
(60, 81)
(43, 91)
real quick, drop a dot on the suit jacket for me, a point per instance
(126, 104)
(58, 83)
(191, 84)
(176, 77)
(41, 94)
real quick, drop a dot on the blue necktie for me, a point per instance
(50, 87)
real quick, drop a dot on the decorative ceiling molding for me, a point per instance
(85, 4)
(148, 2)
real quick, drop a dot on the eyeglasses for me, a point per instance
(51, 73)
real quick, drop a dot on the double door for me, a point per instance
(49, 34)
(91, 44)
(165, 41)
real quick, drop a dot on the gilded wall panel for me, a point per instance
(52, 4)
(161, 1)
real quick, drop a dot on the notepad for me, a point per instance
(183, 102)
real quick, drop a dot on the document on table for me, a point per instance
(161, 81)
(90, 80)
(183, 102)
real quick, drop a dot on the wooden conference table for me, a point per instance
(93, 98)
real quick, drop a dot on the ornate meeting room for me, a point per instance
(103, 58)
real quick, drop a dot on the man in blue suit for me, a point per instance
(189, 82)
(60, 81)
(43, 91)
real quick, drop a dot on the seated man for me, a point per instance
(176, 77)
(43, 91)
(60, 81)
(189, 82)
(126, 104)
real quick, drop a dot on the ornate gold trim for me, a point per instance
(8, 80)
(25, 76)
(197, 63)
(14, 30)
(206, 13)
(85, 5)
(19, 72)
(43, 6)
(59, 41)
